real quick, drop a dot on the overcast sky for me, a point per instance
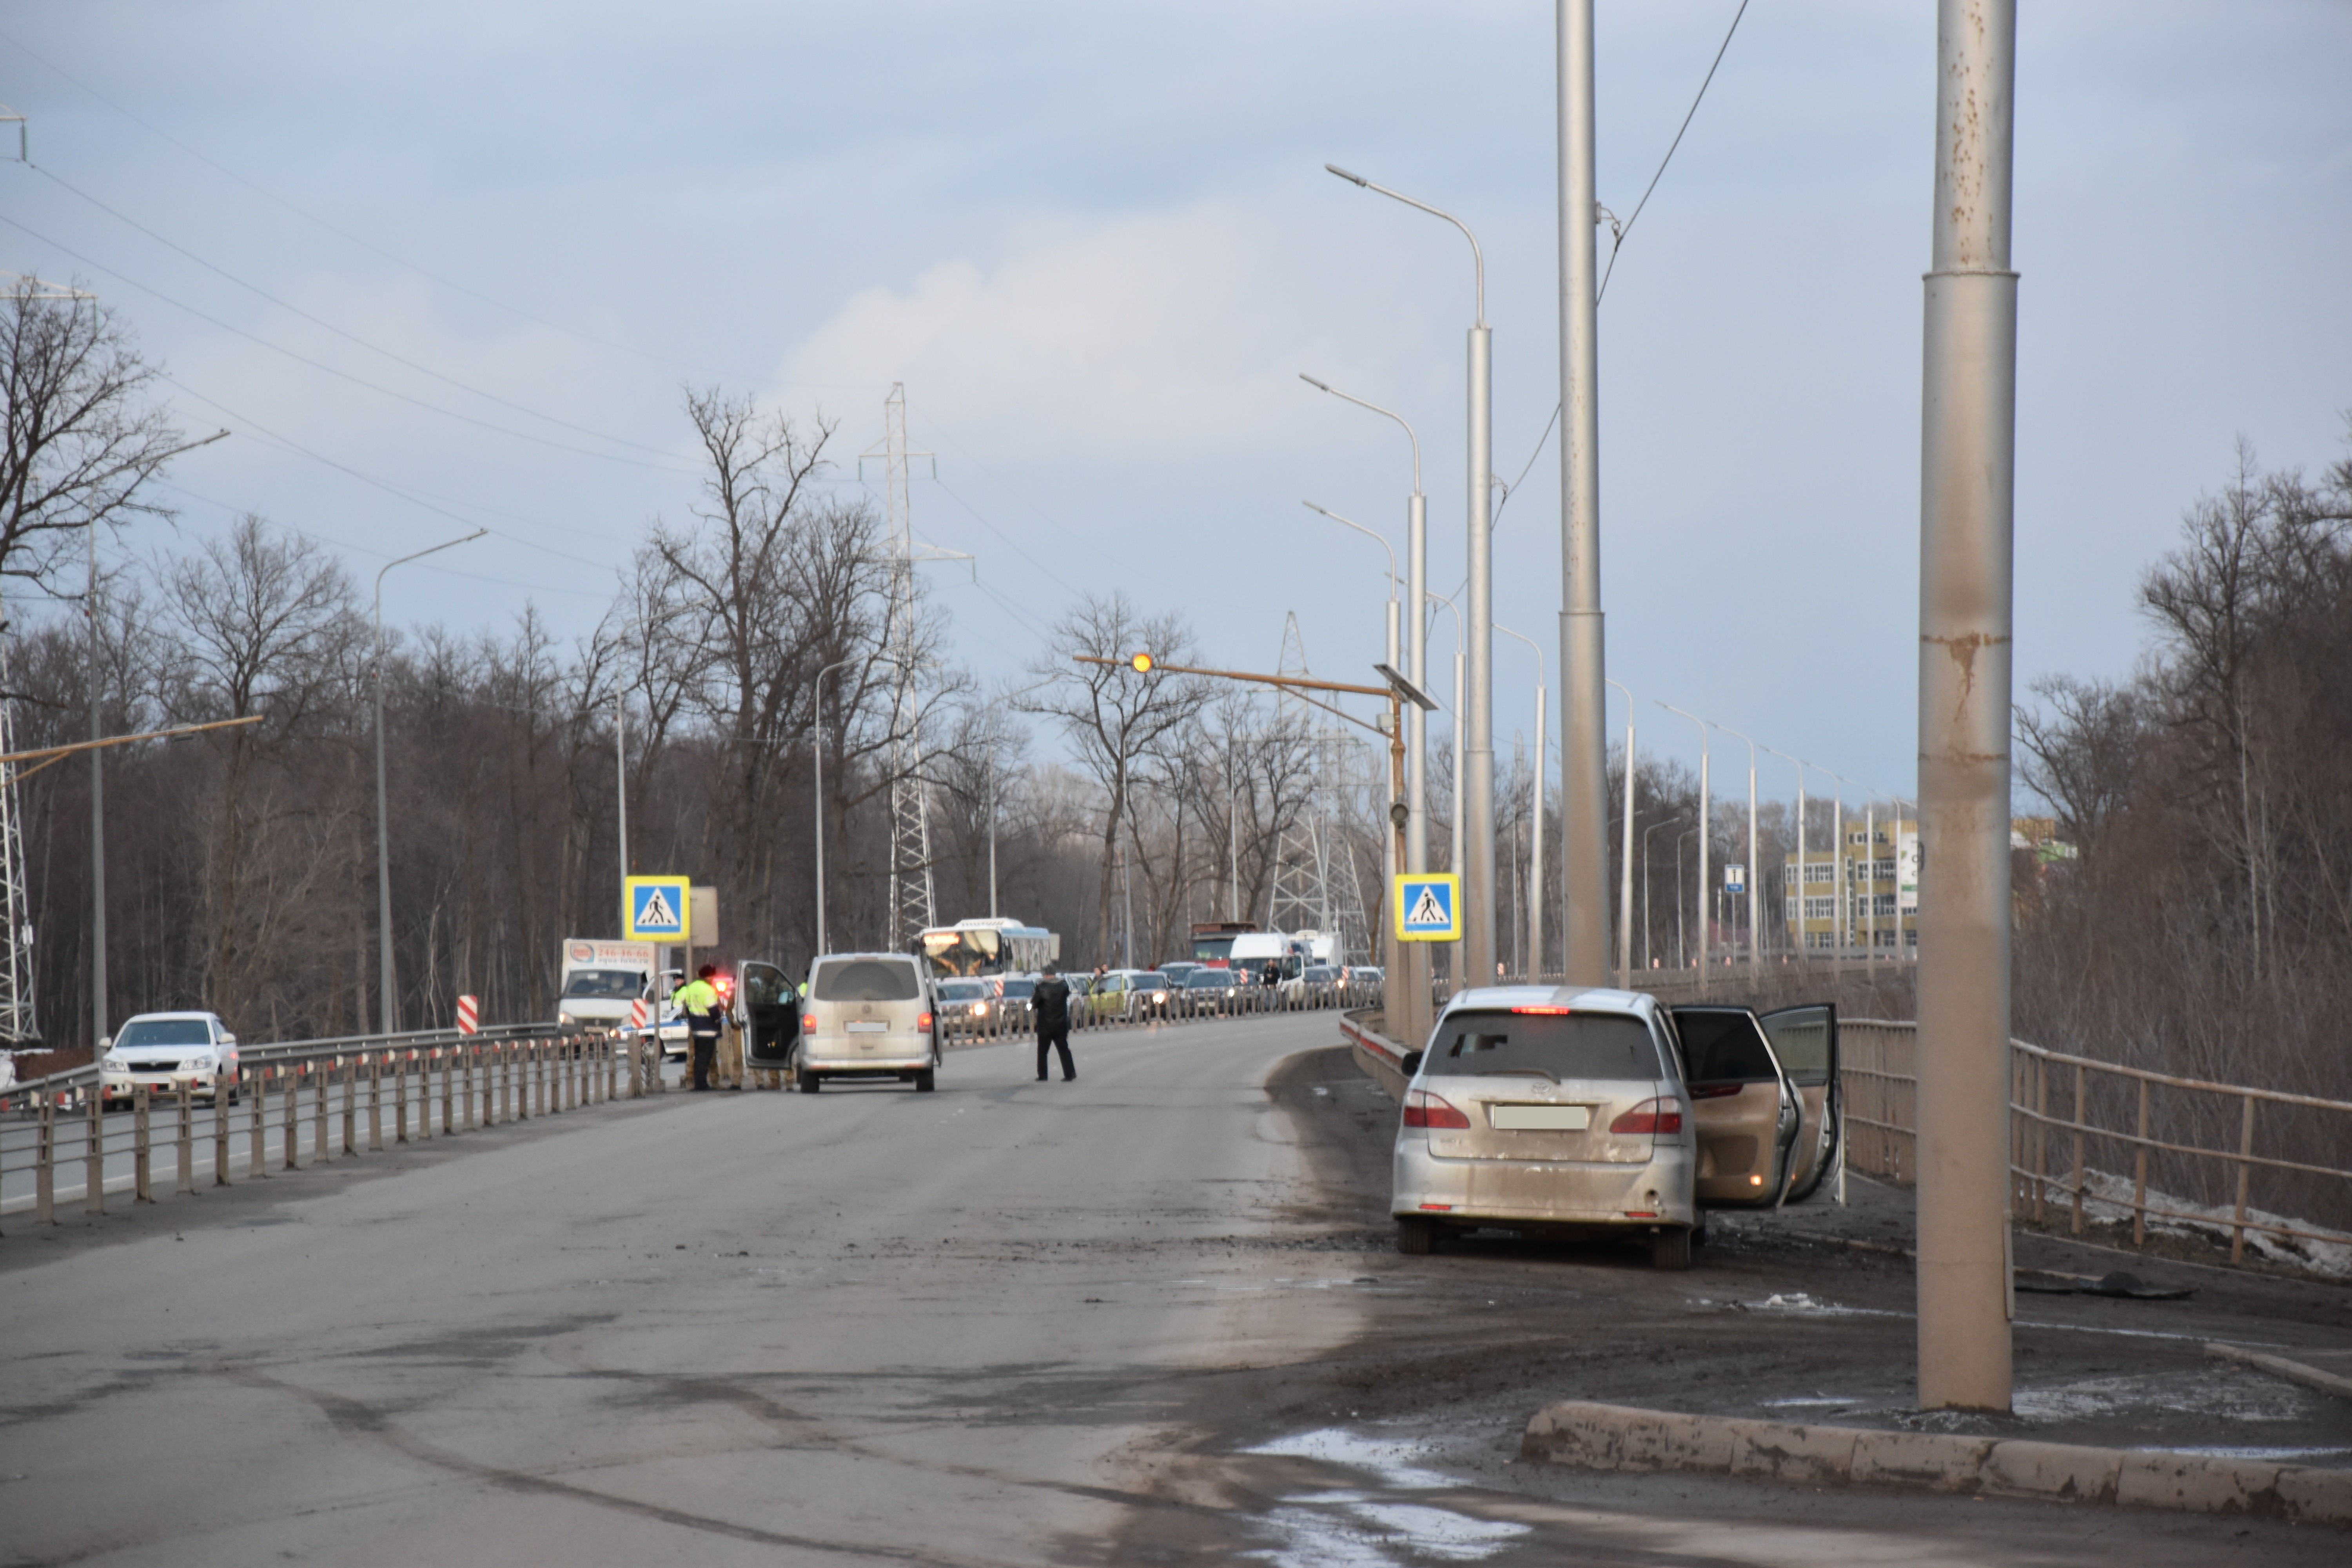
(1097, 244)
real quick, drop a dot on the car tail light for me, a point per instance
(1658, 1118)
(923, 1023)
(1716, 1091)
(1548, 1012)
(1423, 1109)
(808, 1023)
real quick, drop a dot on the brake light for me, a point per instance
(808, 1023)
(1656, 1117)
(1423, 1109)
(1716, 1091)
(1548, 1012)
(923, 1023)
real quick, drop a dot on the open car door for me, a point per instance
(1744, 1109)
(1805, 1041)
(771, 1016)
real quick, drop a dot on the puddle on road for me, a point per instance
(1364, 1530)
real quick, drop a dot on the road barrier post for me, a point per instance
(291, 1132)
(223, 1096)
(321, 1149)
(2245, 1148)
(376, 1102)
(187, 1149)
(255, 1167)
(350, 1105)
(139, 1146)
(93, 1151)
(45, 1162)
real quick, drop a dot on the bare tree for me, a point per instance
(1114, 715)
(81, 440)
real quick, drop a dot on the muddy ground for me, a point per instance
(1403, 1445)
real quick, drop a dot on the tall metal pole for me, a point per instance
(816, 729)
(1797, 942)
(1755, 870)
(1706, 822)
(621, 792)
(1584, 767)
(98, 1019)
(992, 836)
(1625, 893)
(1474, 794)
(389, 1001)
(1536, 846)
(1967, 475)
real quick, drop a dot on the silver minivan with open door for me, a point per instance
(1550, 1110)
(867, 1015)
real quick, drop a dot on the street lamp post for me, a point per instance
(1755, 871)
(816, 730)
(1704, 835)
(1798, 943)
(1475, 794)
(1625, 891)
(1669, 822)
(1455, 865)
(390, 1001)
(1536, 848)
(1681, 959)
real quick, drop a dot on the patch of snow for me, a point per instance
(2108, 1197)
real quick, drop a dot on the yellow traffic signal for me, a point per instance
(1142, 663)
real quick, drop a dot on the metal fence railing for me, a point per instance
(2194, 1150)
(288, 1104)
(1012, 1019)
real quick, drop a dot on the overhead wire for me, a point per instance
(331, 370)
(326, 325)
(346, 234)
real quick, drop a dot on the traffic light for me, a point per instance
(1142, 663)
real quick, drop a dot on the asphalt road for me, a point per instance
(1147, 1317)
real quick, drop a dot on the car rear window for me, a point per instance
(1723, 1046)
(1557, 1046)
(166, 1032)
(865, 979)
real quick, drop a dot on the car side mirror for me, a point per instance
(1412, 1063)
(106, 1042)
(228, 1039)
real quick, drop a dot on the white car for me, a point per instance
(868, 1016)
(163, 1050)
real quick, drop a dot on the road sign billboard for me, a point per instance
(660, 908)
(1428, 906)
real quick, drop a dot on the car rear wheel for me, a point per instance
(808, 1080)
(1416, 1235)
(1671, 1249)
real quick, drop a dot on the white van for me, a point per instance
(868, 1015)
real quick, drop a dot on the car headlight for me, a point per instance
(980, 1009)
(116, 1065)
(565, 1018)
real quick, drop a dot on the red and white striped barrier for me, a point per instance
(470, 1016)
(640, 1012)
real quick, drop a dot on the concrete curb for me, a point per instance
(1619, 1438)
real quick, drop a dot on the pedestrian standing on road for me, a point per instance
(698, 999)
(1052, 1002)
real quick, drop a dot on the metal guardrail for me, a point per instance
(1015, 1019)
(312, 1100)
(1880, 1082)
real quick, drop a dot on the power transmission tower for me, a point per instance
(911, 906)
(1316, 886)
(1297, 901)
(19, 1023)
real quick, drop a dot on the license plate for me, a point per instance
(869, 1028)
(1539, 1118)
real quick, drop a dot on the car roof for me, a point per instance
(1595, 999)
(149, 1017)
(837, 957)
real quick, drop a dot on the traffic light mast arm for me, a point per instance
(1286, 681)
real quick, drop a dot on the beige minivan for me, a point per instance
(867, 1015)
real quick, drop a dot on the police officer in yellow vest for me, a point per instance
(705, 1014)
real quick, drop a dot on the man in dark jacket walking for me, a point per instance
(1052, 1003)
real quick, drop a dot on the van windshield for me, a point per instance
(1557, 1046)
(625, 985)
(865, 980)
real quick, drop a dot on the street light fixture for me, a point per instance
(1801, 765)
(1755, 871)
(1669, 822)
(1475, 794)
(389, 1007)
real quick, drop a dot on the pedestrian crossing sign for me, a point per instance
(660, 908)
(1428, 907)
